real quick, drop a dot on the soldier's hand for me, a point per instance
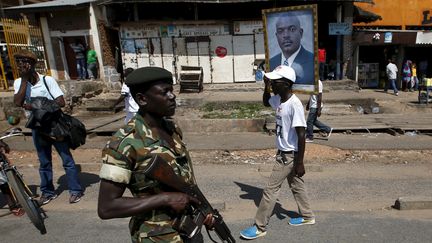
(209, 221)
(178, 201)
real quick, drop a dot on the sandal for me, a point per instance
(18, 212)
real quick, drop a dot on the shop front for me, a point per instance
(374, 48)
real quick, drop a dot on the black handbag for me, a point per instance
(67, 127)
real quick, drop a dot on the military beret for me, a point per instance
(146, 75)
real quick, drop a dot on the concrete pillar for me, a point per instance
(48, 47)
(347, 58)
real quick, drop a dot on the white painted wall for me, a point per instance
(243, 51)
(173, 52)
(223, 71)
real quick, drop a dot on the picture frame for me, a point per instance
(291, 38)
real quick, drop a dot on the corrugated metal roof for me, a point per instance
(107, 2)
(51, 4)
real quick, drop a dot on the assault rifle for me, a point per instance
(189, 224)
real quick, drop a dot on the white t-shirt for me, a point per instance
(289, 115)
(391, 71)
(39, 89)
(130, 104)
(313, 101)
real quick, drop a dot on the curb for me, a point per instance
(413, 203)
(221, 125)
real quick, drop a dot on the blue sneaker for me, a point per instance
(252, 233)
(301, 221)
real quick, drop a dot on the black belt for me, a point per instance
(286, 152)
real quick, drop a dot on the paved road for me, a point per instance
(351, 201)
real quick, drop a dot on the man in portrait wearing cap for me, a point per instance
(150, 134)
(32, 84)
(290, 142)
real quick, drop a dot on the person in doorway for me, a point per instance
(322, 55)
(406, 75)
(152, 134)
(32, 84)
(315, 106)
(289, 34)
(80, 58)
(290, 141)
(92, 64)
(131, 107)
(423, 68)
(414, 80)
(391, 71)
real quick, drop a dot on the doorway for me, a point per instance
(70, 54)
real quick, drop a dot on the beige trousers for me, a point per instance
(282, 171)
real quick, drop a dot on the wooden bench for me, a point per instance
(191, 78)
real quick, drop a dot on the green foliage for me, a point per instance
(234, 110)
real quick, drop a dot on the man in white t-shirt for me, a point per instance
(314, 106)
(131, 107)
(290, 142)
(32, 84)
(391, 70)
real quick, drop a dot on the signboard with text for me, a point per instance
(340, 29)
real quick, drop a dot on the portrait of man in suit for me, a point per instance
(291, 42)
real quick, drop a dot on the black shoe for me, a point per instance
(76, 197)
(45, 199)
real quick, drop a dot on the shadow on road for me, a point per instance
(86, 180)
(255, 194)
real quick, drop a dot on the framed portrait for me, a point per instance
(291, 38)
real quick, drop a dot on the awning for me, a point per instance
(50, 5)
(363, 16)
(424, 38)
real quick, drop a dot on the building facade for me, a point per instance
(403, 33)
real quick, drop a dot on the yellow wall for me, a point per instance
(398, 12)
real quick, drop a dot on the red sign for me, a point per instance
(221, 51)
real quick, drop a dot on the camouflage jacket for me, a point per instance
(124, 158)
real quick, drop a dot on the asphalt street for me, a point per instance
(352, 203)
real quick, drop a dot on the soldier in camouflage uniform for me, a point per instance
(132, 148)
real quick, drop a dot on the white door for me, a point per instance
(222, 58)
(142, 52)
(168, 55)
(259, 46)
(128, 53)
(155, 55)
(244, 57)
(192, 53)
(204, 60)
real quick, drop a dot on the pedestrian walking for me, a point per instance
(30, 85)
(131, 107)
(406, 75)
(391, 71)
(290, 142)
(414, 78)
(314, 106)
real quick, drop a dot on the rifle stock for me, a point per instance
(161, 171)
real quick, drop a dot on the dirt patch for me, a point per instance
(315, 154)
